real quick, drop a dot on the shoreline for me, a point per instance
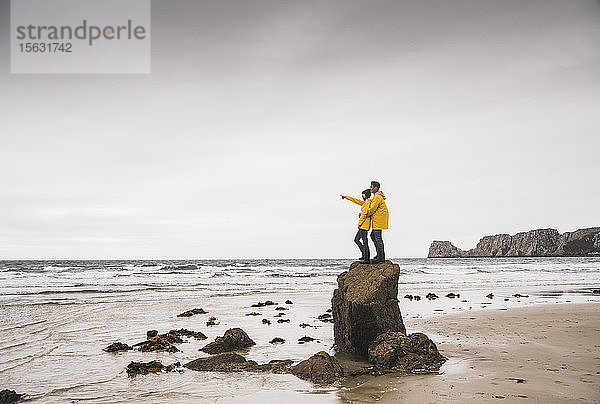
(543, 353)
(65, 318)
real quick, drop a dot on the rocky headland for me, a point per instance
(533, 243)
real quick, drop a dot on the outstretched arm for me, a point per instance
(351, 199)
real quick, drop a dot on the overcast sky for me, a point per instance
(478, 117)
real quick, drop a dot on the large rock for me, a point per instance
(444, 249)
(415, 353)
(234, 339)
(365, 304)
(533, 243)
(10, 396)
(232, 362)
(320, 368)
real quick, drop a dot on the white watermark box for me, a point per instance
(80, 36)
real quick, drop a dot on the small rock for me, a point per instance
(452, 295)
(223, 362)
(261, 304)
(277, 340)
(212, 321)
(280, 314)
(490, 296)
(190, 313)
(288, 302)
(233, 339)
(517, 295)
(283, 320)
(161, 342)
(320, 368)
(253, 314)
(115, 347)
(417, 297)
(304, 339)
(265, 321)
(188, 267)
(143, 368)
(188, 333)
(304, 325)
(151, 334)
(329, 310)
(281, 308)
(409, 297)
(232, 362)
(596, 291)
(10, 396)
(431, 296)
(324, 316)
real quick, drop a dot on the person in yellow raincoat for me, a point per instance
(380, 217)
(364, 224)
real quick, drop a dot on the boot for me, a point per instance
(378, 259)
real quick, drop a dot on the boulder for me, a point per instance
(143, 368)
(232, 362)
(234, 339)
(414, 353)
(10, 396)
(365, 304)
(320, 368)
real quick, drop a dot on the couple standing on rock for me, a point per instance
(373, 213)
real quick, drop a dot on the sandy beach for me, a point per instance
(547, 354)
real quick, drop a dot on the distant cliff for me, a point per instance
(533, 243)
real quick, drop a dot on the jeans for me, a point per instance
(362, 242)
(378, 241)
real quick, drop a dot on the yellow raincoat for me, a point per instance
(364, 221)
(378, 212)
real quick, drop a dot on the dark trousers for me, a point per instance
(378, 241)
(362, 242)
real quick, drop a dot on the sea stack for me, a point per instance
(365, 305)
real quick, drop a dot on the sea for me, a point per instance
(56, 317)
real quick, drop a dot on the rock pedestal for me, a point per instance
(365, 305)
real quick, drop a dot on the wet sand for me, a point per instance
(548, 354)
